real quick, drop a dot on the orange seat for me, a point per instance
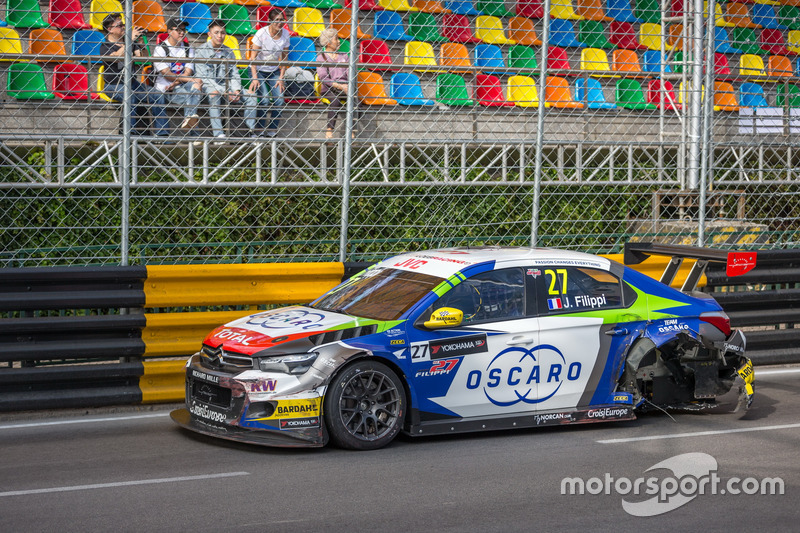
(779, 66)
(429, 6)
(148, 14)
(340, 21)
(625, 61)
(47, 42)
(591, 10)
(725, 97)
(557, 94)
(371, 90)
(521, 30)
(738, 15)
(675, 39)
(454, 56)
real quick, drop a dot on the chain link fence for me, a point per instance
(421, 124)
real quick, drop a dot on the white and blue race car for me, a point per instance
(464, 339)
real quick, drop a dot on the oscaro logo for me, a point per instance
(516, 375)
(291, 318)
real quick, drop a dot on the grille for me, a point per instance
(219, 359)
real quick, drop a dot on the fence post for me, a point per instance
(537, 173)
(127, 110)
(706, 152)
(348, 132)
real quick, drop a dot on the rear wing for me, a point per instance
(736, 263)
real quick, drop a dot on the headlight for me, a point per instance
(288, 364)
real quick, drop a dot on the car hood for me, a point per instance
(290, 330)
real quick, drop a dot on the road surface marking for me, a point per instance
(776, 371)
(121, 484)
(697, 434)
(80, 421)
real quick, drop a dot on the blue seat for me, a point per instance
(752, 95)
(87, 43)
(196, 15)
(389, 27)
(489, 57)
(594, 98)
(288, 3)
(621, 10)
(406, 89)
(650, 62)
(562, 34)
(722, 43)
(461, 7)
(302, 49)
(3, 23)
(764, 14)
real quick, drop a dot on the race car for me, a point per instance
(460, 340)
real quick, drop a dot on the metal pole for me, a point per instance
(706, 152)
(537, 173)
(348, 133)
(127, 111)
(696, 96)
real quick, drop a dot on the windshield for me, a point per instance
(378, 293)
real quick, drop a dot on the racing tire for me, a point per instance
(364, 406)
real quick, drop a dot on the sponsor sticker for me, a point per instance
(206, 413)
(458, 346)
(438, 368)
(299, 423)
(205, 377)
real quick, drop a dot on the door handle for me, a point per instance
(520, 339)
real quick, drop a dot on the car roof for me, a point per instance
(445, 262)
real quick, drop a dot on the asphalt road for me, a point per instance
(136, 471)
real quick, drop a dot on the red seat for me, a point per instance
(557, 60)
(531, 9)
(677, 8)
(375, 51)
(457, 29)
(365, 5)
(772, 41)
(623, 34)
(655, 94)
(71, 82)
(262, 18)
(490, 93)
(721, 66)
(67, 15)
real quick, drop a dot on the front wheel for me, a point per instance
(364, 406)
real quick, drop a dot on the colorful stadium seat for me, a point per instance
(455, 57)
(66, 15)
(562, 10)
(86, 43)
(522, 31)
(738, 15)
(745, 40)
(522, 91)
(793, 43)
(308, 22)
(10, 44)
(794, 95)
(557, 60)
(197, 16)
(371, 90)
(147, 14)
(24, 14)
(595, 62)
(751, 65)
(451, 90)
(648, 11)
(100, 9)
(71, 82)
(592, 10)
(593, 96)
(457, 29)
(420, 55)
(725, 97)
(461, 7)
(651, 62)
(494, 8)
(365, 5)
(25, 81)
(490, 92)
(721, 42)
(752, 95)
(765, 16)
(47, 43)
(620, 11)
(396, 5)
(629, 95)
(389, 27)
(423, 27)
(592, 34)
(340, 21)
(405, 87)
(237, 19)
(301, 49)
(789, 16)
(490, 30)
(651, 35)
(721, 65)
(623, 35)
(772, 41)
(662, 94)
(562, 34)
(558, 94)
(375, 51)
(626, 61)
(429, 6)
(779, 67)
(522, 59)
(489, 58)
(532, 9)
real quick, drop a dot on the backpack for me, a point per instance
(299, 84)
(164, 45)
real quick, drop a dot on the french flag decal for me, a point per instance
(554, 303)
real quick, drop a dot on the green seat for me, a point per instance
(244, 74)
(522, 57)
(789, 16)
(344, 46)
(237, 19)
(493, 8)
(745, 39)
(631, 96)
(648, 11)
(25, 81)
(422, 27)
(321, 4)
(25, 14)
(794, 95)
(452, 90)
(592, 34)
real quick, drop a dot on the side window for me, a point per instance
(575, 289)
(488, 297)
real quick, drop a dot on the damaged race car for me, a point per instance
(459, 340)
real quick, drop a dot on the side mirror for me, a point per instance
(445, 317)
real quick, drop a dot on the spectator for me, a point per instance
(333, 79)
(221, 81)
(271, 43)
(114, 45)
(175, 80)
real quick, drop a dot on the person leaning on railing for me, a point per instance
(333, 79)
(222, 81)
(271, 43)
(114, 45)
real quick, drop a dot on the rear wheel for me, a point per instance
(364, 406)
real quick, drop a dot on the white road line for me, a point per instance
(698, 434)
(122, 484)
(776, 371)
(81, 421)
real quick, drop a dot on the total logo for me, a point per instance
(524, 375)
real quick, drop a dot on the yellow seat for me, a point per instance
(562, 9)
(559, 95)
(420, 55)
(522, 91)
(725, 97)
(779, 66)
(683, 93)
(595, 61)
(10, 43)
(308, 22)
(454, 56)
(650, 36)
(371, 90)
(101, 86)
(340, 21)
(793, 42)
(751, 65)
(522, 31)
(233, 43)
(738, 15)
(397, 5)
(626, 61)
(148, 14)
(100, 9)
(47, 42)
(719, 19)
(490, 30)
